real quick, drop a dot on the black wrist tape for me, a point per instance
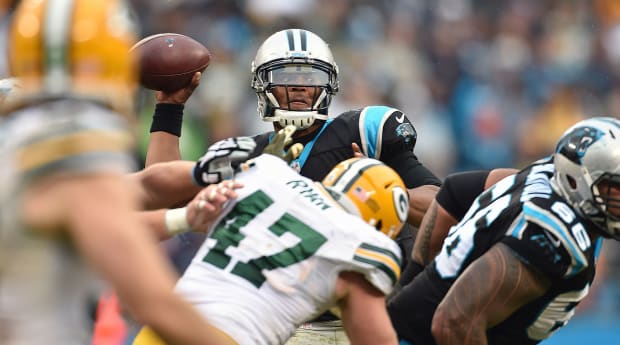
(168, 118)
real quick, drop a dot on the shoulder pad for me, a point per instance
(358, 247)
(378, 263)
(371, 123)
(569, 235)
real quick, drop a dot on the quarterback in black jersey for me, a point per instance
(295, 76)
(515, 267)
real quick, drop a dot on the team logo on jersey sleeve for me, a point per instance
(408, 134)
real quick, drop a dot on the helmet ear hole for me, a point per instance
(571, 181)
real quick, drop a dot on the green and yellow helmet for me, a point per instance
(73, 48)
(372, 190)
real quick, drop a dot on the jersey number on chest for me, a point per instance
(296, 241)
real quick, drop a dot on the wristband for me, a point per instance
(168, 118)
(176, 221)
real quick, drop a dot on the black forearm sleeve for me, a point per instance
(459, 190)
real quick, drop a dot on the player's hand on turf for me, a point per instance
(181, 95)
(221, 159)
(282, 139)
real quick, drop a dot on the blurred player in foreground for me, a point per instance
(65, 203)
(287, 249)
(515, 267)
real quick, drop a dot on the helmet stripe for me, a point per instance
(56, 37)
(610, 121)
(289, 37)
(296, 39)
(344, 182)
(302, 34)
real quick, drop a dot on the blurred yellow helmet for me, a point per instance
(73, 48)
(372, 190)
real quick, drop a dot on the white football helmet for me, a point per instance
(587, 158)
(294, 57)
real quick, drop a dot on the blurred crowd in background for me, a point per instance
(487, 83)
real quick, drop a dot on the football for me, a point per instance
(168, 61)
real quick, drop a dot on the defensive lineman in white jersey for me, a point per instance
(274, 257)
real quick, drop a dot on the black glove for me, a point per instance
(283, 138)
(221, 158)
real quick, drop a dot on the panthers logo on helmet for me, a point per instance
(588, 155)
(574, 144)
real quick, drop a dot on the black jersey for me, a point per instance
(523, 212)
(381, 132)
(459, 190)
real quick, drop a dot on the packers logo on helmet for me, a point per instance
(73, 48)
(369, 188)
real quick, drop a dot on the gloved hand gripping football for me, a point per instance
(283, 138)
(219, 162)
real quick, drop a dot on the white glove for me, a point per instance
(217, 164)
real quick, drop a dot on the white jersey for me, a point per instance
(44, 286)
(272, 260)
